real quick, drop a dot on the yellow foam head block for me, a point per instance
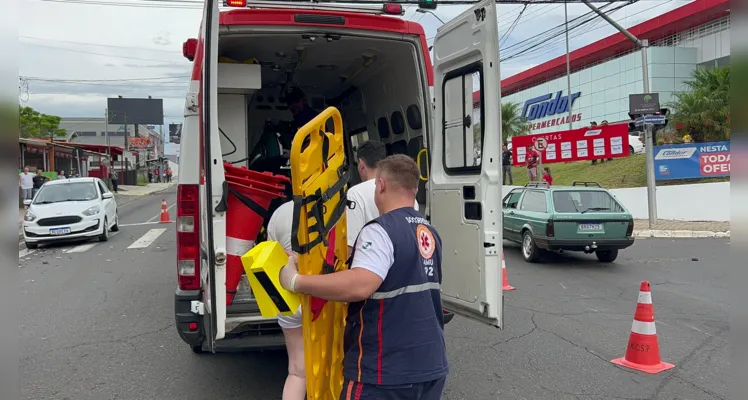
(262, 265)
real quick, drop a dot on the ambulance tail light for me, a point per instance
(236, 3)
(189, 48)
(188, 237)
(393, 9)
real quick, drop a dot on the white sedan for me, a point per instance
(67, 209)
(636, 144)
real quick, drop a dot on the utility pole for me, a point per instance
(643, 44)
(568, 61)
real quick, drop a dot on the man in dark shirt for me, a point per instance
(506, 164)
(299, 106)
(39, 180)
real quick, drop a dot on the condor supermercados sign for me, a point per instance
(548, 110)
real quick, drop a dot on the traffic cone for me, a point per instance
(504, 278)
(643, 350)
(165, 219)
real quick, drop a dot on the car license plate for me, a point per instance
(59, 231)
(591, 227)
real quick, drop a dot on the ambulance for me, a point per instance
(375, 68)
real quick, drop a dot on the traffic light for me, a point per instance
(427, 4)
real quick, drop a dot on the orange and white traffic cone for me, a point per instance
(643, 350)
(165, 219)
(504, 278)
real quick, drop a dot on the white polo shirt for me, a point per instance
(365, 210)
(27, 180)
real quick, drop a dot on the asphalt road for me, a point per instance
(97, 323)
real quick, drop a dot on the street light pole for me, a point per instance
(643, 44)
(568, 61)
(422, 11)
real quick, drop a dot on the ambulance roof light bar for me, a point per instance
(370, 8)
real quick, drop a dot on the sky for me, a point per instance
(76, 53)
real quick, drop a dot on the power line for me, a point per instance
(32, 78)
(96, 45)
(511, 27)
(163, 4)
(107, 55)
(593, 27)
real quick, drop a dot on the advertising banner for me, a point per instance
(175, 133)
(693, 160)
(610, 141)
(140, 143)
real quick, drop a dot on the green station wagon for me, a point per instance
(582, 217)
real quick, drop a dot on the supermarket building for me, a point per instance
(604, 73)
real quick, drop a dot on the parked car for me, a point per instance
(66, 209)
(636, 144)
(582, 217)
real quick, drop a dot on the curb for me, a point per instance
(655, 233)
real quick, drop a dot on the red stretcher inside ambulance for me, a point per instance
(375, 68)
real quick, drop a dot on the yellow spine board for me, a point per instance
(323, 338)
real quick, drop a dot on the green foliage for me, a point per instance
(512, 121)
(704, 109)
(34, 124)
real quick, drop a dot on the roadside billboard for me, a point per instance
(610, 141)
(135, 111)
(175, 133)
(693, 160)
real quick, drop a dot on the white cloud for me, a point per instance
(71, 41)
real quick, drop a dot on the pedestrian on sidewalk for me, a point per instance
(593, 125)
(533, 156)
(168, 175)
(506, 165)
(150, 175)
(605, 123)
(39, 180)
(114, 176)
(26, 184)
(547, 177)
(393, 281)
(61, 175)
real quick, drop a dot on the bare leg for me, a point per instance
(295, 387)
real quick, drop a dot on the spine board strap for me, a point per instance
(318, 211)
(251, 204)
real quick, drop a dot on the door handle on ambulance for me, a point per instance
(418, 161)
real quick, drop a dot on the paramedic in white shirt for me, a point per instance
(369, 154)
(279, 230)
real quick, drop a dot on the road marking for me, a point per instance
(25, 253)
(159, 214)
(80, 248)
(144, 223)
(147, 239)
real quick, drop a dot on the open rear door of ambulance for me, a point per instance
(465, 181)
(212, 208)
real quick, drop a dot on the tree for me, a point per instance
(38, 125)
(512, 121)
(704, 109)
